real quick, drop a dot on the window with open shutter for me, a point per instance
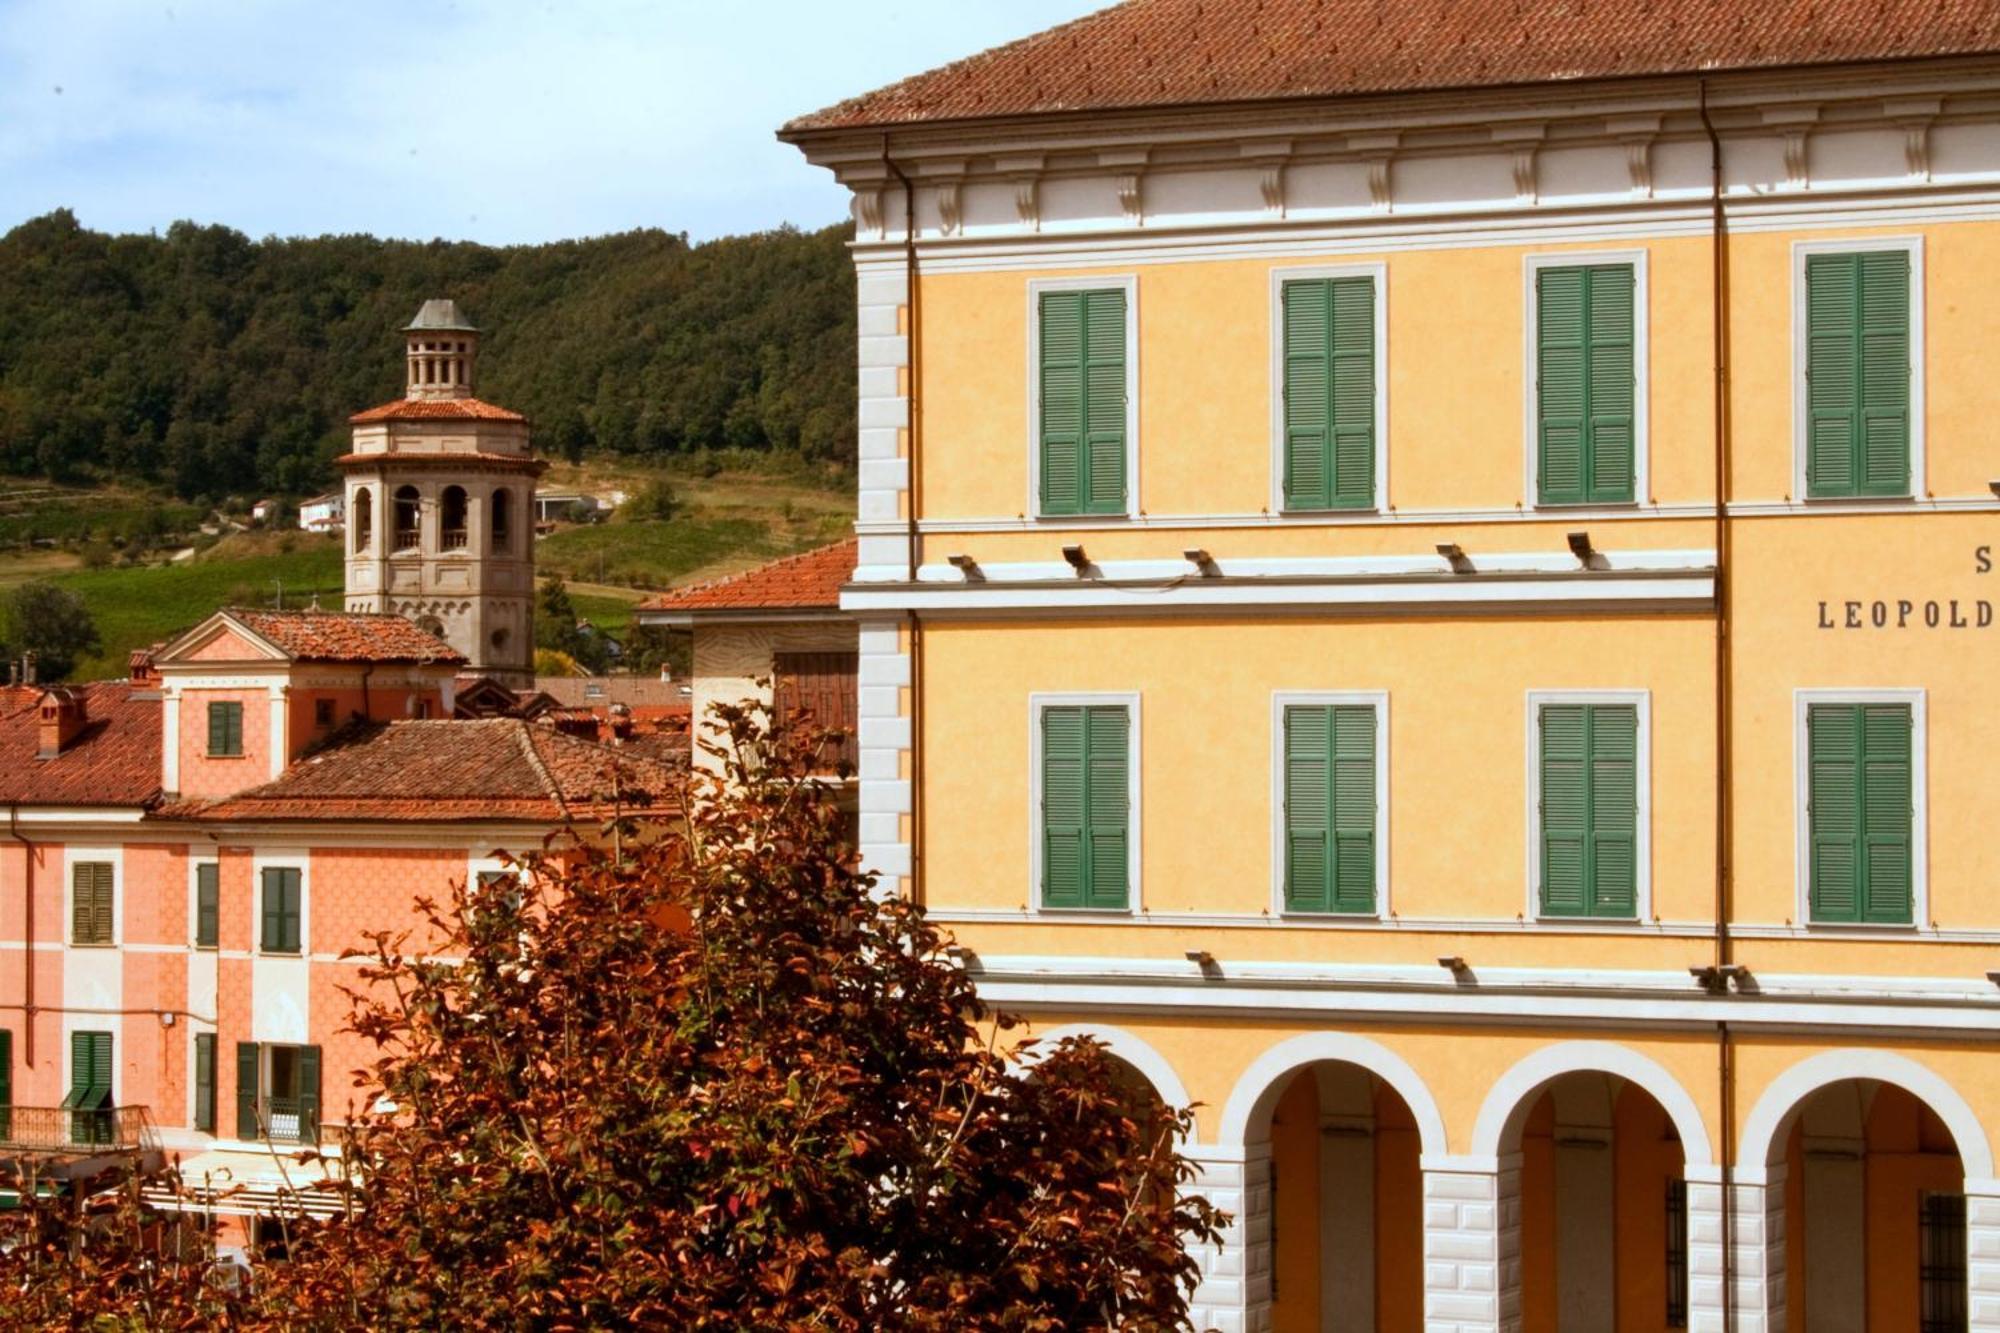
(1586, 384)
(1858, 374)
(1330, 808)
(248, 1124)
(1086, 806)
(6, 1084)
(207, 904)
(1329, 393)
(89, 1097)
(280, 932)
(1860, 809)
(1589, 790)
(1083, 402)
(225, 729)
(91, 904)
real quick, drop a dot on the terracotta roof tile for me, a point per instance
(113, 761)
(1154, 53)
(435, 771)
(436, 409)
(808, 582)
(346, 636)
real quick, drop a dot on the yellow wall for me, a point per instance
(1456, 374)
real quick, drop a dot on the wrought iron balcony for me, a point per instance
(289, 1119)
(62, 1132)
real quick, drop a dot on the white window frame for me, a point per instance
(1642, 360)
(1642, 702)
(1801, 252)
(1037, 287)
(1135, 841)
(1377, 700)
(1378, 273)
(75, 856)
(1920, 897)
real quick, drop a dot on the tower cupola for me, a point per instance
(442, 345)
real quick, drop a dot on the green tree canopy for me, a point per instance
(52, 623)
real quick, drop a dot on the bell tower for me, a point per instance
(440, 504)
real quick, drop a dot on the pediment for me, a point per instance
(220, 638)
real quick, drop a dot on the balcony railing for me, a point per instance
(289, 1119)
(55, 1130)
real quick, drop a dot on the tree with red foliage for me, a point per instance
(715, 1080)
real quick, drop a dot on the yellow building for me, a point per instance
(1425, 571)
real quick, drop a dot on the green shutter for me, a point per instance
(1109, 806)
(91, 903)
(6, 1084)
(1083, 402)
(246, 1090)
(1330, 806)
(309, 1091)
(1086, 816)
(1586, 384)
(204, 1082)
(1858, 374)
(1589, 810)
(207, 904)
(280, 933)
(1329, 393)
(1860, 813)
(225, 729)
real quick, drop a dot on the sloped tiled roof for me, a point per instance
(808, 582)
(113, 761)
(438, 771)
(346, 636)
(436, 409)
(1157, 53)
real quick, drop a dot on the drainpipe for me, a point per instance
(912, 538)
(1725, 951)
(28, 930)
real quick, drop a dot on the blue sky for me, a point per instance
(500, 121)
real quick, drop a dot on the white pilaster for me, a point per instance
(1472, 1245)
(1235, 1291)
(1757, 1243)
(1982, 1255)
(882, 737)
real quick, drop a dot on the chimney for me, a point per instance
(140, 670)
(621, 721)
(27, 668)
(62, 719)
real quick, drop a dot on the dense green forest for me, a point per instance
(218, 365)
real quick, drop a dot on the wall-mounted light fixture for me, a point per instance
(1454, 555)
(1717, 980)
(1201, 958)
(1580, 547)
(1078, 561)
(1203, 561)
(966, 565)
(1994, 486)
(1460, 969)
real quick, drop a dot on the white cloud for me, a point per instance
(499, 122)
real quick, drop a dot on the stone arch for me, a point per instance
(1764, 1129)
(1134, 1051)
(1508, 1103)
(1258, 1088)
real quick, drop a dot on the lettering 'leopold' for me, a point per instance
(1904, 613)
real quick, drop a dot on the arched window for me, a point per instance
(501, 510)
(364, 520)
(409, 530)
(452, 519)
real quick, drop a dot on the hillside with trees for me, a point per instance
(215, 365)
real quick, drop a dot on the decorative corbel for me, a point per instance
(1379, 193)
(1913, 115)
(1270, 158)
(868, 209)
(949, 217)
(1131, 197)
(1028, 202)
(1639, 165)
(1796, 174)
(1527, 186)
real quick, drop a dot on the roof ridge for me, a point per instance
(524, 735)
(770, 564)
